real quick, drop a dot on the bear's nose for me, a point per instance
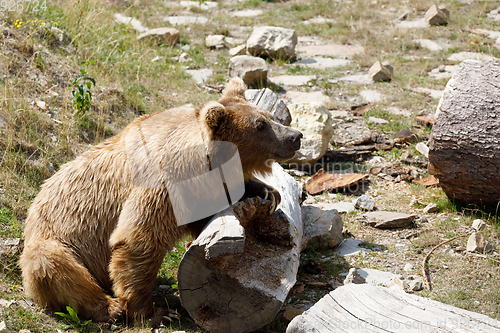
(296, 137)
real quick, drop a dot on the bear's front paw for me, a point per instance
(255, 188)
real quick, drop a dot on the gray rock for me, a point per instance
(238, 50)
(443, 71)
(252, 70)
(273, 42)
(437, 15)
(268, 100)
(377, 277)
(478, 225)
(415, 284)
(247, 13)
(3, 327)
(322, 228)
(323, 63)
(316, 125)
(351, 247)
(169, 36)
(375, 120)
(479, 244)
(431, 208)
(370, 96)
(200, 75)
(292, 80)
(365, 202)
(354, 277)
(215, 41)
(436, 94)
(303, 97)
(386, 220)
(135, 23)
(380, 72)
(341, 207)
(331, 50)
(462, 56)
(183, 20)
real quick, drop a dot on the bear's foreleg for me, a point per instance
(256, 188)
(54, 278)
(139, 244)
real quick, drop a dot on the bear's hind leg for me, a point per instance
(54, 278)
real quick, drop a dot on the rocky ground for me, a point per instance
(339, 47)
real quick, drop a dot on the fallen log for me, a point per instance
(464, 151)
(238, 272)
(367, 308)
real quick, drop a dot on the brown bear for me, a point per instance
(95, 239)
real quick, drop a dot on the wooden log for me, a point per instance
(464, 151)
(369, 308)
(227, 287)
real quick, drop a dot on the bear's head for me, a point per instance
(260, 139)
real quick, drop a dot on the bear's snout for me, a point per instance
(295, 139)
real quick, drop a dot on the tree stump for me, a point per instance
(464, 151)
(238, 272)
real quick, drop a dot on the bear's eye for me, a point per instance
(261, 124)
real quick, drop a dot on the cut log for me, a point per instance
(464, 151)
(228, 287)
(367, 308)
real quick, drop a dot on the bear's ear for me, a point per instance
(235, 87)
(212, 114)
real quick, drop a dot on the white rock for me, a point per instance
(408, 267)
(3, 327)
(462, 56)
(397, 285)
(238, 50)
(437, 15)
(135, 23)
(316, 124)
(205, 5)
(354, 277)
(431, 208)
(377, 277)
(247, 13)
(478, 225)
(323, 63)
(168, 36)
(215, 41)
(183, 20)
(417, 24)
(42, 105)
(351, 247)
(322, 228)
(331, 50)
(200, 75)
(252, 70)
(478, 243)
(341, 207)
(304, 97)
(430, 45)
(365, 202)
(370, 96)
(274, 42)
(422, 149)
(375, 120)
(416, 284)
(357, 78)
(380, 72)
(436, 94)
(292, 80)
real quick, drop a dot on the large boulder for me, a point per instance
(252, 70)
(316, 124)
(273, 42)
(322, 227)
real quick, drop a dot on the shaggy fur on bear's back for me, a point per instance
(98, 231)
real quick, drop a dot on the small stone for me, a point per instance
(322, 228)
(252, 70)
(408, 267)
(200, 75)
(379, 121)
(415, 285)
(184, 57)
(114, 327)
(3, 328)
(169, 36)
(422, 149)
(273, 42)
(41, 105)
(354, 277)
(365, 202)
(215, 41)
(186, 48)
(386, 220)
(404, 136)
(397, 285)
(478, 243)
(460, 249)
(437, 15)
(24, 331)
(422, 219)
(431, 208)
(238, 50)
(414, 202)
(378, 72)
(478, 225)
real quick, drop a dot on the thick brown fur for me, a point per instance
(95, 238)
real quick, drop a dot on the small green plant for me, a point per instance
(72, 320)
(81, 93)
